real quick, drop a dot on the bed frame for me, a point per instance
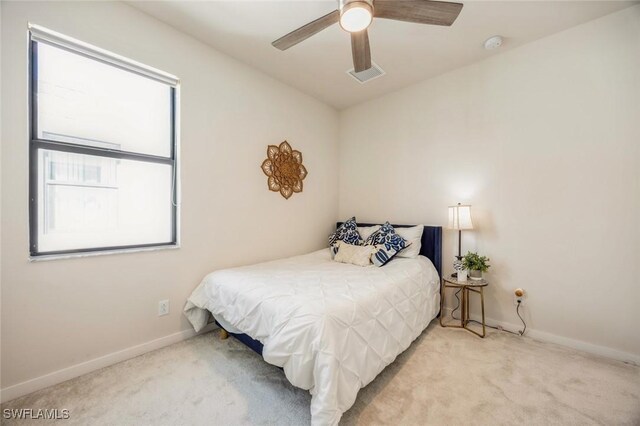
(431, 248)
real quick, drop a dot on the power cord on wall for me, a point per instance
(519, 316)
(518, 333)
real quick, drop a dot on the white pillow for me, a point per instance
(413, 236)
(366, 231)
(355, 255)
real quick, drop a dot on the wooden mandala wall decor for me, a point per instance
(284, 168)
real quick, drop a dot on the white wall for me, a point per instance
(61, 313)
(544, 142)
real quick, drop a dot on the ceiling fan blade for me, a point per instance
(418, 11)
(361, 51)
(306, 31)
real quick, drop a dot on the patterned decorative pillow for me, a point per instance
(347, 232)
(387, 244)
(382, 256)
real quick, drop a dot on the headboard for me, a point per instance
(431, 242)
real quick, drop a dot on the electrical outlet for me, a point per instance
(520, 299)
(163, 308)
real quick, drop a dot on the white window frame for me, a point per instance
(39, 34)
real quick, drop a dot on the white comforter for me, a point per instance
(332, 327)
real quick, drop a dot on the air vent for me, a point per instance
(365, 76)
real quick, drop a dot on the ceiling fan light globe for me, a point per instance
(356, 17)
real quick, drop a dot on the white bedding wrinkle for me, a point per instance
(332, 327)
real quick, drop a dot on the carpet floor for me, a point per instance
(446, 377)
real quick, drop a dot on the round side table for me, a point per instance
(474, 286)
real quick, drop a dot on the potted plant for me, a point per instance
(476, 265)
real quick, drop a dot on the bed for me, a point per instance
(331, 327)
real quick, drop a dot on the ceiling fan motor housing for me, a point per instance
(348, 4)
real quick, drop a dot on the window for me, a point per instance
(102, 150)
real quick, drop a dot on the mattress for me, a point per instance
(332, 327)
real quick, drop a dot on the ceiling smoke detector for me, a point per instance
(493, 42)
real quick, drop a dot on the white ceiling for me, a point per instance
(407, 52)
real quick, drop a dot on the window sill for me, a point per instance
(48, 257)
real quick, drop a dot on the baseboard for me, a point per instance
(24, 388)
(580, 345)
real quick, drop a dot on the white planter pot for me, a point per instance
(475, 275)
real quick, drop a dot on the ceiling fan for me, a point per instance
(355, 16)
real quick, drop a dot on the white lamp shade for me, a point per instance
(460, 217)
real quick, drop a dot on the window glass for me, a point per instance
(83, 100)
(90, 201)
(103, 161)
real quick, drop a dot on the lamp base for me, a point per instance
(457, 266)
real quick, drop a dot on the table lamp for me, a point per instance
(459, 219)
